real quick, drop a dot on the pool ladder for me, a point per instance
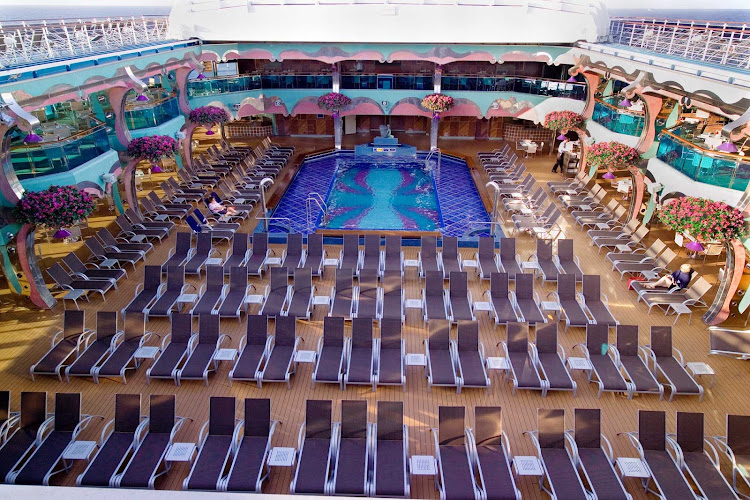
(313, 203)
(434, 152)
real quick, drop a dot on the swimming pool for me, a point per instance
(388, 193)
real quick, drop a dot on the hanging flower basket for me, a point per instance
(152, 147)
(437, 103)
(55, 207)
(208, 115)
(613, 154)
(563, 120)
(704, 219)
(334, 102)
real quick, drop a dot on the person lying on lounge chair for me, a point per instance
(678, 279)
(216, 207)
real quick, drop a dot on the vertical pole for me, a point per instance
(337, 130)
(434, 131)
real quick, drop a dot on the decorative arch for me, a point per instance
(262, 104)
(308, 106)
(463, 107)
(363, 106)
(410, 106)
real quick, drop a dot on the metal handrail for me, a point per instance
(710, 152)
(624, 111)
(320, 203)
(64, 140)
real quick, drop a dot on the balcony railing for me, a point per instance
(703, 165)
(53, 157)
(524, 85)
(387, 82)
(618, 120)
(224, 85)
(725, 43)
(152, 113)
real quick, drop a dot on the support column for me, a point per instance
(437, 83)
(116, 97)
(337, 130)
(128, 180)
(434, 125)
(639, 189)
(187, 143)
(652, 107)
(336, 78)
(181, 78)
(10, 186)
(592, 81)
(38, 292)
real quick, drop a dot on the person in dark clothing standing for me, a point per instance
(564, 147)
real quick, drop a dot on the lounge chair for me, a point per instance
(215, 446)
(240, 253)
(596, 462)
(65, 343)
(658, 265)
(692, 296)
(487, 261)
(501, 300)
(277, 293)
(67, 282)
(247, 471)
(567, 262)
(329, 361)
(302, 292)
(215, 221)
(441, 357)
(651, 444)
(146, 292)
(522, 367)
(701, 464)
(201, 351)
(174, 349)
(66, 425)
(360, 355)
(571, 310)
(558, 463)
(631, 241)
(211, 292)
(450, 257)
(178, 194)
(134, 336)
(167, 299)
(234, 299)
(294, 254)
(527, 300)
(253, 349)
(470, 357)
(352, 451)
(371, 258)
(139, 221)
(508, 258)
(628, 358)
(662, 356)
(390, 470)
(455, 477)
(619, 231)
(736, 446)
(434, 301)
(122, 433)
(638, 255)
(729, 342)
(550, 358)
(545, 261)
(316, 447)
(181, 252)
(393, 256)
(343, 294)
(132, 232)
(215, 233)
(280, 363)
(113, 244)
(603, 362)
(143, 469)
(367, 294)
(314, 255)
(22, 441)
(492, 455)
(595, 302)
(349, 257)
(542, 225)
(391, 354)
(256, 263)
(79, 269)
(203, 251)
(392, 300)
(428, 256)
(160, 214)
(98, 346)
(159, 203)
(460, 303)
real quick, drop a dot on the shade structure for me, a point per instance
(561, 137)
(142, 98)
(201, 77)
(608, 175)
(694, 246)
(61, 233)
(572, 79)
(727, 147)
(625, 103)
(156, 169)
(32, 138)
(210, 132)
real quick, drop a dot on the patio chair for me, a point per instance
(138, 221)
(349, 257)
(371, 258)
(628, 358)
(115, 244)
(316, 446)
(181, 252)
(390, 470)
(625, 231)
(118, 440)
(632, 241)
(280, 364)
(176, 193)
(595, 302)
(523, 205)
(248, 469)
(558, 463)
(492, 455)
(566, 261)
(23, 439)
(664, 471)
(130, 231)
(367, 294)
(52, 440)
(277, 294)
(234, 299)
(522, 366)
(81, 271)
(302, 292)
(211, 292)
(216, 234)
(434, 301)
(329, 359)
(637, 256)
(256, 263)
(65, 344)
(508, 258)
(167, 299)
(173, 350)
(527, 300)
(428, 255)
(459, 299)
(729, 342)
(470, 357)
(161, 204)
(487, 261)
(595, 461)
(657, 265)
(455, 477)
(143, 469)
(63, 280)
(98, 346)
(542, 226)
(134, 336)
(570, 308)
(314, 255)
(585, 200)
(352, 460)
(161, 214)
(216, 444)
(573, 185)
(201, 351)
(736, 446)
(294, 254)
(239, 254)
(691, 296)
(203, 251)
(393, 256)
(550, 358)
(392, 301)
(545, 261)
(360, 355)
(343, 294)
(449, 257)
(603, 362)
(502, 300)
(662, 356)
(253, 350)
(441, 357)
(391, 354)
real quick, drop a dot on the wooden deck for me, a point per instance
(25, 335)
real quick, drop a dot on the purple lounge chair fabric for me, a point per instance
(486, 260)
(349, 257)
(393, 257)
(65, 343)
(523, 370)
(367, 295)
(315, 254)
(313, 464)
(149, 290)
(239, 254)
(392, 304)
(544, 260)
(508, 258)
(246, 472)
(428, 256)
(174, 353)
(441, 364)
(234, 300)
(459, 298)
(21, 441)
(493, 462)
(300, 304)
(214, 451)
(129, 230)
(256, 264)
(679, 380)
(456, 477)
(592, 300)
(98, 252)
(342, 296)
(569, 306)
(98, 350)
(371, 254)
(551, 365)
(78, 268)
(115, 245)
(607, 374)
(293, 252)
(566, 259)
(526, 302)
(211, 293)
(390, 473)
(330, 357)
(562, 476)
(203, 250)
(450, 258)
(665, 473)
(166, 302)
(67, 282)
(278, 293)
(280, 364)
(350, 472)
(123, 357)
(470, 357)
(433, 297)
(641, 378)
(391, 363)
(252, 349)
(360, 359)
(200, 358)
(503, 306)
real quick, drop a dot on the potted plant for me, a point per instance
(208, 116)
(437, 103)
(704, 219)
(613, 154)
(333, 102)
(563, 120)
(56, 207)
(152, 147)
